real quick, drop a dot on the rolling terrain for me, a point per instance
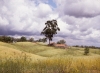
(45, 59)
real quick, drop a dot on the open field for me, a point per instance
(26, 57)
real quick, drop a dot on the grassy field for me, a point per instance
(27, 57)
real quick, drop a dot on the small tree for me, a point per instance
(31, 39)
(86, 51)
(40, 40)
(44, 40)
(23, 39)
(61, 42)
(50, 29)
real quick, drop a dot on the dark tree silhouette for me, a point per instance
(61, 42)
(23, 39)
(31, 39)
(44, 40)
(50, 29)
(6, 39)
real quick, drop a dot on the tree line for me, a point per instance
(84, 46)
(9, 39)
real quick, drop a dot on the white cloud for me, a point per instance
(22, 15)
(94, 33)
(79, 8)
(3, 21)
(43, 10)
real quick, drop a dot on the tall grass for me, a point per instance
(14, 65)
(68, 65)
(24, 64)
(56, 60)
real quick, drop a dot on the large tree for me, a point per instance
(50, 29)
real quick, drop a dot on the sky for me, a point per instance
(79, 20)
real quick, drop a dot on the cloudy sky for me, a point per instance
(79, 20)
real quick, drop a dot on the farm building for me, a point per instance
(63, 46)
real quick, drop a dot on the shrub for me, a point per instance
(61, 42)
(86, 51)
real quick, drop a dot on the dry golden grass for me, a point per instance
(12, 52)
(44, 59)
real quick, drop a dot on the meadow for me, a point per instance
(27, 57)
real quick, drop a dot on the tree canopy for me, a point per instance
(23, 39)
(50, 29)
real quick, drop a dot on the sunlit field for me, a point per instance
(27, 57)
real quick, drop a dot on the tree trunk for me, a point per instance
(49, 41)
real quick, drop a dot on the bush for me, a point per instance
(61, 42)
(31, 40)
(23, 39)
(86, 51)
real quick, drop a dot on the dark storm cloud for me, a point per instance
(9, 32)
